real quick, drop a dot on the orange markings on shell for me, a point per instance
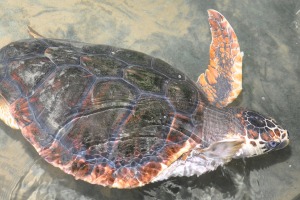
(107, 176)
(54, 153)
(80, 168)
(30, 132)
(126, 178)
(175, 136)
(103, 175)
(20, 111)
(171, 153)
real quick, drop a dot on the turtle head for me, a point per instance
(262, 134)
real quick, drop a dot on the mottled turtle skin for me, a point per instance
(112, 116)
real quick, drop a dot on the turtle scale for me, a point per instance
(106, 115)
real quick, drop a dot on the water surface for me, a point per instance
(177, 32)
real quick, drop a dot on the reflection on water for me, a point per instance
(177, 32)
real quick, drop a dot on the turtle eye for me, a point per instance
(272, 144)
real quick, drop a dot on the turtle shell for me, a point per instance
(106, 115)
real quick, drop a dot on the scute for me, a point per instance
(133, 57)
(22, 49)
(63, 55)
(102, 65)
(30, 72)
(92, 135)
(146, 79)
(9, 91)
(183, 95)
(107, 94)
(149, 112)
(90, 49)
(21, 112)
(55, 102)
(165, 68)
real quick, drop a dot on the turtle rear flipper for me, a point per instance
(222, 81)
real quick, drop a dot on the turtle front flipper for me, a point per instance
(222, 81)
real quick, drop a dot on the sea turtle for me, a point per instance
(123, 119)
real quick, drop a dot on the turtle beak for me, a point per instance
(283, 144)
